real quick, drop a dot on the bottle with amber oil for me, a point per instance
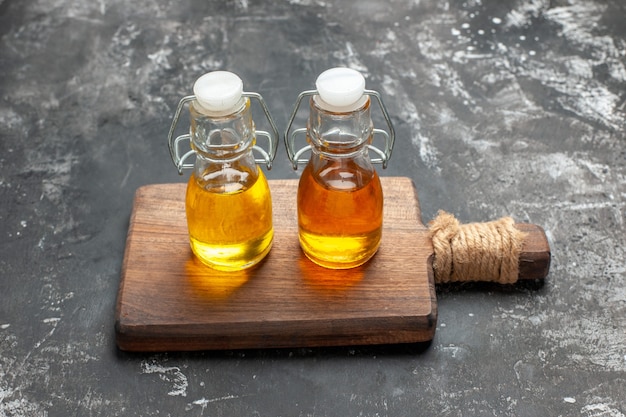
(228, 202)
(340, 198)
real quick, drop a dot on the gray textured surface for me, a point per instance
(512, 107)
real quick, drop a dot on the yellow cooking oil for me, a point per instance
(229, 216)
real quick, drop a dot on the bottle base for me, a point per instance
(339, 252)
(230, 258)
(338, 265)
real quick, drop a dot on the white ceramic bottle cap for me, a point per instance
(341, 89)
(219, 91)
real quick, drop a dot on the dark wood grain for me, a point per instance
(535, 257)
(168, 301)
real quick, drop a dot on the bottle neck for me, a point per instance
(339, 134)
(222, 139)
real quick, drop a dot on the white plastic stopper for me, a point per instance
(219, 92)
(341, 89)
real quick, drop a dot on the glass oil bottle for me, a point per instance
(340, 198)
(228, 202)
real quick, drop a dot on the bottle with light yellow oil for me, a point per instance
(228, 202)
(340, 197)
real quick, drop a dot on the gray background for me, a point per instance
(500, 107)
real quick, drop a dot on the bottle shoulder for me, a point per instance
(342, 174)
(228, 178)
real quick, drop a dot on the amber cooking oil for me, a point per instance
(229, 216)
(340, 213)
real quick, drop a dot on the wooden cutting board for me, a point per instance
(168, 301)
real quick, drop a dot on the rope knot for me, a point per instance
(475, 251)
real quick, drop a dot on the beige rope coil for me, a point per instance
(475, 251)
